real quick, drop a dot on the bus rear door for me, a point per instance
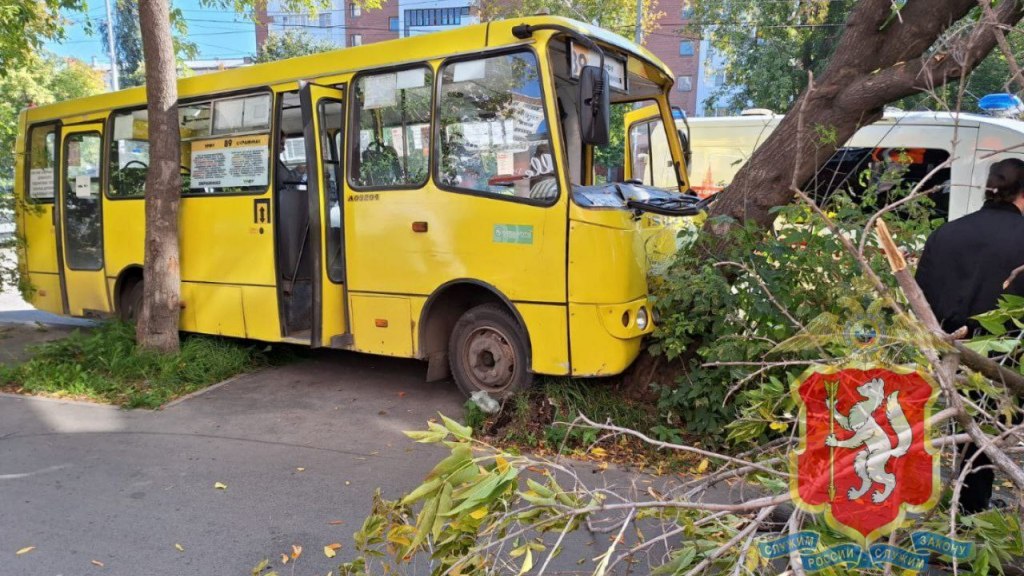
(323, 121)
(80, 234)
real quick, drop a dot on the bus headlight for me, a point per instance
(641, 318)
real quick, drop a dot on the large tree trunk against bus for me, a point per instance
(879, 59)
(158, 322)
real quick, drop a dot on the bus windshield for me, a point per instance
(640, 84)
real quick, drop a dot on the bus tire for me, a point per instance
(131, 303)
(487, 351)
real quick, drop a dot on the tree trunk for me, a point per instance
(879, 59)
(157, 327)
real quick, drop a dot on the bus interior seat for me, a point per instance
(380, 164)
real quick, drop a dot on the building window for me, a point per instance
(434, 17)
(357, 39)
(719, 79)
(686, 48)
(684, 83)
(393, 24)
(687, 12)
(356, 10)
(325, 20)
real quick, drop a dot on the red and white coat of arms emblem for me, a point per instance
(865, 456)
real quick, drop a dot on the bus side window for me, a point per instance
(391, 123)
(494, 135)
(225, 148)
(41, 164)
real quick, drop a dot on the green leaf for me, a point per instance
(422, 491)
(461, 432)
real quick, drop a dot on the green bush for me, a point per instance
(721, 316)
(105, 364)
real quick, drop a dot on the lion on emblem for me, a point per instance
(870, 462)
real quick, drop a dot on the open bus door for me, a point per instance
(323, 121)
(80, 222)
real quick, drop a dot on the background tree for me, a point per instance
(38, 79)
(291, 44)
(25, 26)
(127, 42)
(769, 47)
(619, 16)
(918, 48)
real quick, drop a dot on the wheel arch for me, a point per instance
(443, 309)
(128, 277)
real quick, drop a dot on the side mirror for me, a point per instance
(594, 107)
(687, 151)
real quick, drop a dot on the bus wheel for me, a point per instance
(487, 351)
(131, 304)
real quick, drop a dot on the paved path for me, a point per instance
(85, 482)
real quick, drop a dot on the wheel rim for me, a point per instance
(490, 360)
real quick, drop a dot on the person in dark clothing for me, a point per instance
(961, 273)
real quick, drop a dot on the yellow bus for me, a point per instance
(430, 197)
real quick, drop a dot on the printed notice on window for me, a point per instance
(380, 91)
(231, 162)
(40, 183)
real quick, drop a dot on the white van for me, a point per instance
(919, 141)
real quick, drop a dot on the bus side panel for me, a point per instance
(382, 325)
(38, 255)
(123, 238)
(259, 307)
(223, 242)
(517, 248)
(548, 332)
(216, 309)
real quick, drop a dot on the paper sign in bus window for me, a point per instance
(381, 91)
(40, 183)
(406, 79)
(83, 186)
(240, 161)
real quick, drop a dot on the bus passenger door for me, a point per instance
(323, 128)
(81, 220)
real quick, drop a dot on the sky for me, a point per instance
(218, 33)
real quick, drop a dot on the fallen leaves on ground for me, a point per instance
(96, 563)
(25, 550)
(220, 486)
(179, 547)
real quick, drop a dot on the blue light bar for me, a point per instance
(1001, 104)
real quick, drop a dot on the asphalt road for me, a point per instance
(84, 482)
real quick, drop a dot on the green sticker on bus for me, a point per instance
(513, 233)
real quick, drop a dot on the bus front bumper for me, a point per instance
(606, 338)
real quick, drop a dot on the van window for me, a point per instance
(649, 155)
(879, 176)
(225, 148)
(392, 124)
(41, 164)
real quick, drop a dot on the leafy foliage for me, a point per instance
(291, 44)
(25, 26)
(105, 365)
(715, 323)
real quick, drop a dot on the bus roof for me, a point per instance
(344, 60)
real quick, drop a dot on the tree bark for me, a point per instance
(157, 327)
(876, 62)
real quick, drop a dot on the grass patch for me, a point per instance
(105, 365)
(534, 421)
